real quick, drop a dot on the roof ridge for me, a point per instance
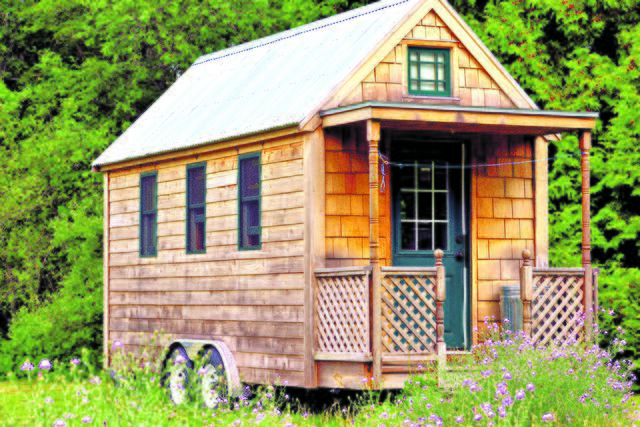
(297, 33)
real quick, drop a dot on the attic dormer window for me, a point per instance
(429, 71)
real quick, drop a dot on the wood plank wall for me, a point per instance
(252, 300)
(504, 215)
(347, 200)
(388, 81)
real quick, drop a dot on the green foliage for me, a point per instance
(74, 75)
(583, 55)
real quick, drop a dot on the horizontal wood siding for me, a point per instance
(504, 215)
(253, 300)
(471, 84)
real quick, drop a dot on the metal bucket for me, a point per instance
(511, 307)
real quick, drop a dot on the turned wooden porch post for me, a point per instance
(373, 136)
(441, 297)
(526, 291)
(585, 147)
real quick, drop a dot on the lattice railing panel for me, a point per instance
(342, 311)
(408, 312)
(557, 307)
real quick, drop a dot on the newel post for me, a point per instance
(373, 137)
(585, 147)
(526, 290)
(441, 296)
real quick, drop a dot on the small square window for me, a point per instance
(429, 72)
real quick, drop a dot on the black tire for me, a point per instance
(177, 375)
(213, 381)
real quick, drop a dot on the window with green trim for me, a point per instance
(429, 71)
(196, 208)
(148, 214)
(249, 229)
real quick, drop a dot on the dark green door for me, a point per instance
(430, 203)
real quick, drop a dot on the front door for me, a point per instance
(430, 188)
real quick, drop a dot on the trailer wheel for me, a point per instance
(178, 370)
(213, 381)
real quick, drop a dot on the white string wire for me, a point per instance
(385, 161)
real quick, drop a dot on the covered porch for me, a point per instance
(429, 211)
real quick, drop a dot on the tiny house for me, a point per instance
(339, 201)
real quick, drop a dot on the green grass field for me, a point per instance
(506, 382)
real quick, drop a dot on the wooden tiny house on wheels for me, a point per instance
(340, 201)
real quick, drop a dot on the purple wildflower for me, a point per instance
(59, 423)
(502, 412)
(48, 400)
(44, 364)
(507, 401)
(384, 415)
(75, 361)
(459, 419)
(477, 417)
(530, 387)
(507, 376)
(86, 419)
(520, 395)
(548, 417)
(117, 344)
(95, 380)
(27, 366)
(179, 360)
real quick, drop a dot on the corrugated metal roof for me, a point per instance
(264, 84)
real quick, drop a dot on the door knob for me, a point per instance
(460, 254)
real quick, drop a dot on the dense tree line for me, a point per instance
(74, 75)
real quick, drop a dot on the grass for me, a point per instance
(508, 382)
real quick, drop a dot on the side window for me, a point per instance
(148, 214)
(429, 72)
(196, 208)
(249, 230)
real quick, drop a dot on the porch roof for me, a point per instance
(460, 119)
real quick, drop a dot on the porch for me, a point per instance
(398, 287)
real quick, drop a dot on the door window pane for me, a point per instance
(440, 211)
(425, 206)
(408, 236)
(440, 241)
(425, 236)
(407, 205)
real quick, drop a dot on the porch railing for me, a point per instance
(409, 324)
(557, 302)
(411, 314)
(341, 310)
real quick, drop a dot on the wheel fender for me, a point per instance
(195, 348)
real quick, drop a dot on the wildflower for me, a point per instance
(179, 360)
(459, 419)
(48, 400)
(520, 395)
(384, 415)
(116, 345)
(486, 374)
(27, 366)
(548, 417)
(95, 380)
(530, 387)
(501, 388)
(507, 376)
(59, 423)
(507, 401)
(502, 412)
(477, 417)
(44, 364)
(260, 417)
(75, 361)
(86, 419)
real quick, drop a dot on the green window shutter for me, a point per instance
(196, 221)
(148, 227)
(429, 71)
(249, 201)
